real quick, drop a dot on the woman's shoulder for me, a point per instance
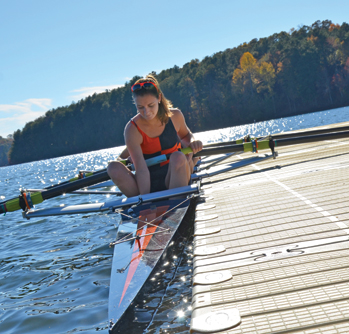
(176, 113)
(133, 121)
(128, 125)
(177, 118)
(131, 126)
(132, 134)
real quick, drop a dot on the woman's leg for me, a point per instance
(123, 178)
(192, 161)
(178, 174)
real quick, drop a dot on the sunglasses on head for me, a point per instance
(145, 85)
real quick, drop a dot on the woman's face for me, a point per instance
(147, 105)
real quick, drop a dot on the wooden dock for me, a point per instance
(271, 245)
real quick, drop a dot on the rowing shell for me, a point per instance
(144, 236)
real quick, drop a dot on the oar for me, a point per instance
(86, 192)
(27, 199)
(265, 144)
(281, 136)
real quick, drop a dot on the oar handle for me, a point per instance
(186, 150)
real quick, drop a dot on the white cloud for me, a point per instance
(15, 116)
(87, 91)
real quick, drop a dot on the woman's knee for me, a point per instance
(178, 159)
(115, 168)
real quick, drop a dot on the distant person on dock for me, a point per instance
(156, 129)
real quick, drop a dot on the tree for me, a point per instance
(245, 76)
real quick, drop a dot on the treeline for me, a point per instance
(5, 145)
(288, 73)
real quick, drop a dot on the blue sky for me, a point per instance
(56, 52)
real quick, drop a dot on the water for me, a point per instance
(54, 272)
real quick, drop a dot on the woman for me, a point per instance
(156, 129)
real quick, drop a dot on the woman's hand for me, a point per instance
(196, 146)
(128, 159)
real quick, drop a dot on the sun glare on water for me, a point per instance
(180, 313)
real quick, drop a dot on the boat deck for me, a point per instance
(271, 245)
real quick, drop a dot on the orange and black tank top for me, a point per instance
(167, 142)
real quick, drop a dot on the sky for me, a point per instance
(55, 52)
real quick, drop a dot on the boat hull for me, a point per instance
(144, 245)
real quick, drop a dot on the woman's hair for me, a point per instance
(164, 106)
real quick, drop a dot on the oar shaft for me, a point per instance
(285, 135)
(75, 185)
(86, 174)
(265, 144)
(220, 150)
(310, 139)
(310, 133)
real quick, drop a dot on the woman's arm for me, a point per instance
(184, 133)
(133, 140)
(124, 154)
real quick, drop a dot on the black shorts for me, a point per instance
(157, 177)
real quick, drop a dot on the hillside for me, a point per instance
(5, 145)
(288, 73)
